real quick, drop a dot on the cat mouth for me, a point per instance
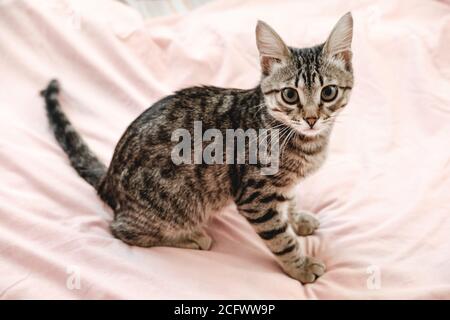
(309, 131)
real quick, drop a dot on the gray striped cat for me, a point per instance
(159, 203)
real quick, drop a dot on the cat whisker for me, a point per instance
(286, 141)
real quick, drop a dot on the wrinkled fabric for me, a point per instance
(382, 197)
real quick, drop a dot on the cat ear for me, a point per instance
(339, 41)
(272, 49)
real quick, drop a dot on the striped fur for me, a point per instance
(81, 158)
(158, 203)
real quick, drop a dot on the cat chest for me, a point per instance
(311, 163)
(303, 164)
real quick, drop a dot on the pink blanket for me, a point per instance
(383, 196)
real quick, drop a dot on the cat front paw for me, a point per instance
(308, 270)
(304, 223)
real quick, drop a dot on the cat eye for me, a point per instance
(329, 93)
(289, 95)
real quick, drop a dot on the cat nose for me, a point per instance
(311, 121)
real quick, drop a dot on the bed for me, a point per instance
(383, 196)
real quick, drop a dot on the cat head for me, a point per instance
(306, 88)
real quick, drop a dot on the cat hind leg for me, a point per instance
(153, 237)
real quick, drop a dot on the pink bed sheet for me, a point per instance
(383, 197)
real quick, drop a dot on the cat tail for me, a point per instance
(81, 157)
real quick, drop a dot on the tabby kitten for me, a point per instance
(158, 203)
